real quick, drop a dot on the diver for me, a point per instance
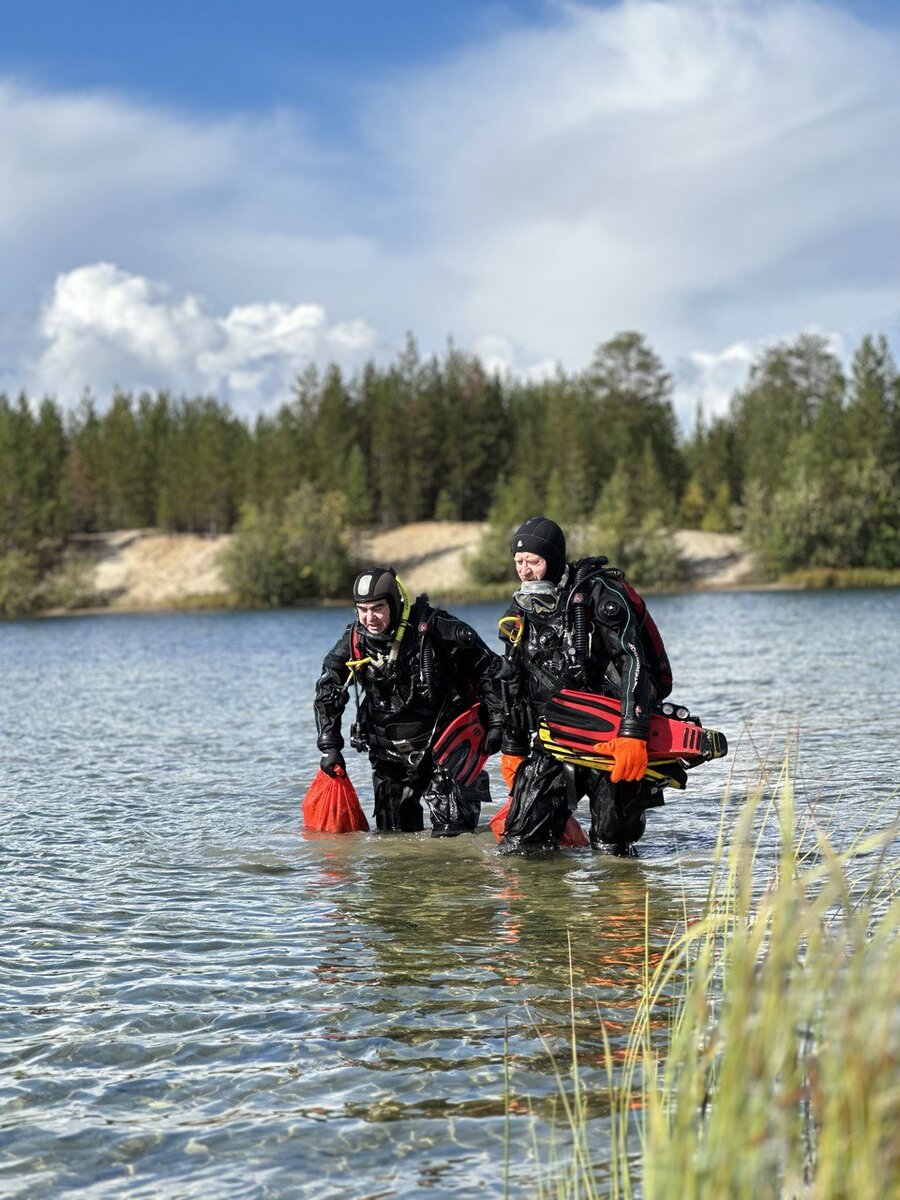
(429, 708)
(575, 626)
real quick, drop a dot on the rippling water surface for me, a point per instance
(196, 1000)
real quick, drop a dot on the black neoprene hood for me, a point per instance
(541, 536)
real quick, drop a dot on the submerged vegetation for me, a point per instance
(777, 1069)
(805, 465)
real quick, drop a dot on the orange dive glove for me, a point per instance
(509, 764)
(629, 758)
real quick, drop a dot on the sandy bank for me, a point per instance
(143, 569)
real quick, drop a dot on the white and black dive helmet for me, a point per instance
(379, 583)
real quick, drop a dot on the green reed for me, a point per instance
(778, 1074)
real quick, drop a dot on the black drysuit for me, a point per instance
(440, 668)
(599, 651)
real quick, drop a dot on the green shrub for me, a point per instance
(646, 552)
(255, 564)
(632, 526)
(846, 514)
(279, 557)
(490, 562)
(19, 589)
(70, 585)
(314, 527)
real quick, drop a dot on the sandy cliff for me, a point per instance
(135, 569)
(142, 568)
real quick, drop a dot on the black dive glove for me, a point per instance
(492, 739)
(332, 763)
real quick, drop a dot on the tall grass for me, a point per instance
(779, 1072)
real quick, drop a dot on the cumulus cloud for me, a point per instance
(715, 175)
(106, 197)
(104, 328)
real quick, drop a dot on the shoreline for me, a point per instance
(144, 571)
(222, 604)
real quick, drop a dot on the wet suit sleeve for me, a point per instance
(616, 623)
(331, 694)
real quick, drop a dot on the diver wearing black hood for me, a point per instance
(573, 626)
(415, 669)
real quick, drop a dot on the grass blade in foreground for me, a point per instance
(780, 1072)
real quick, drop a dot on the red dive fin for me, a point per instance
(460, 747)
(577, 721)
(332, 806)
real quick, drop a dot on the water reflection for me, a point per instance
(197, 1000)
(453, 952)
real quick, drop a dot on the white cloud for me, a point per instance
(501, 357)
(103, 327)
(708, 173)
(707, 381)
(712, 174)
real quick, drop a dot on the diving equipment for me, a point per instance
(576, 725)
(460, 747)
(379, 583)
(537, 596)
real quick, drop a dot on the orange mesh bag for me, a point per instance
(331, 805)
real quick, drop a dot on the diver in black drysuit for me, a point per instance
(418, 673)
(604, 655)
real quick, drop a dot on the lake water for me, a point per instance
(196, 1000)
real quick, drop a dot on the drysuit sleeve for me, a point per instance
(332, 694)
(517, 722)
(617, 625)
(473, 664)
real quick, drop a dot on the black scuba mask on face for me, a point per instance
(538, 596)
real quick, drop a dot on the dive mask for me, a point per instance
(537, 596)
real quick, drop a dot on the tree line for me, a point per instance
(805, 463)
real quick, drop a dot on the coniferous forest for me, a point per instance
(805, 465)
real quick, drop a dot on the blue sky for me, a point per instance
(207, 196)
(216, 55)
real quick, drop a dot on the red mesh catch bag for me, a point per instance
(331, 805)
